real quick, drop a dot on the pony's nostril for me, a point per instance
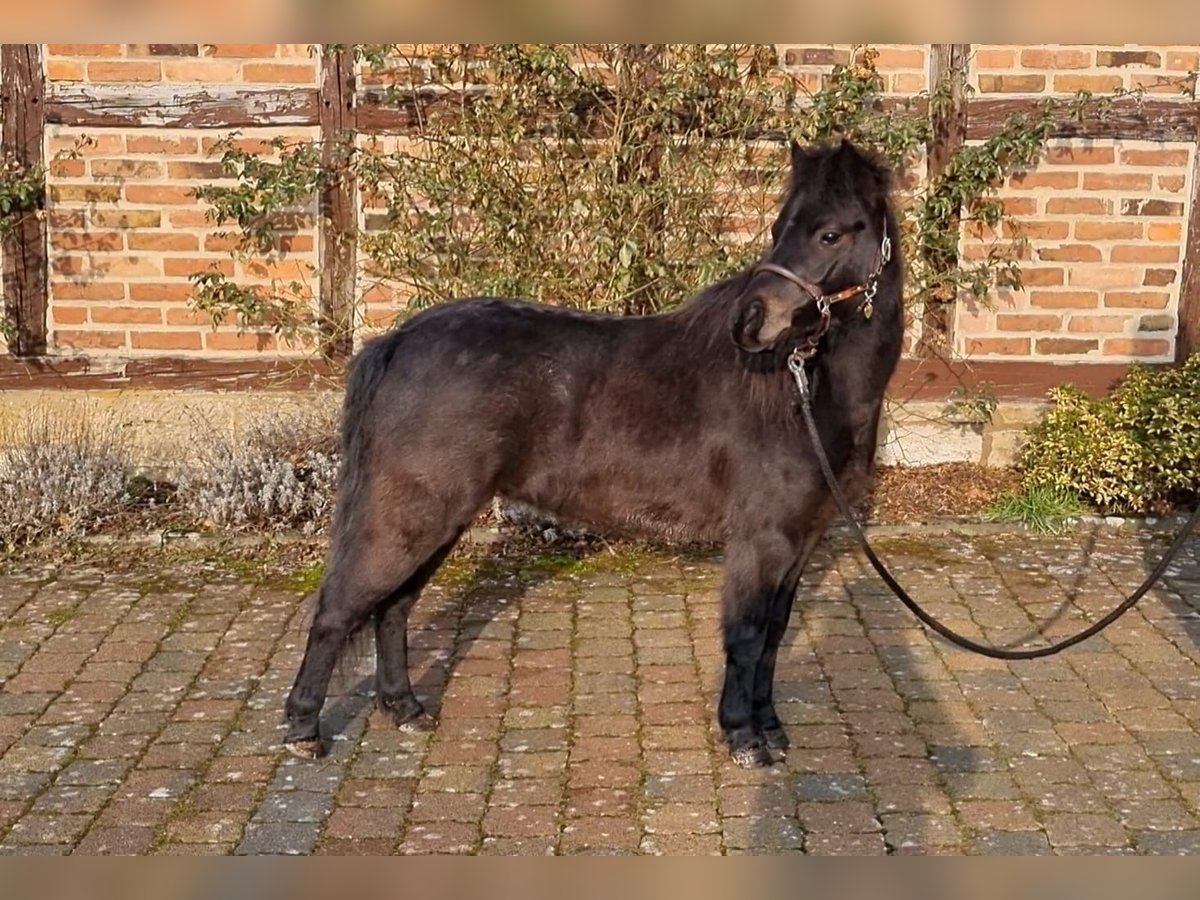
(756, 311)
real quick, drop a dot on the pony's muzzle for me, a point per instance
(765, 319)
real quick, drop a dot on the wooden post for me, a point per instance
(1187, 341)
(23, 110)
(339, 221)
(947, 66)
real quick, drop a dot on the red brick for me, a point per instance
(1140, 206)
(123, 71)
(126, 315)
(185, 267)
(1108, 181)
(1160, 157)
(1137, 347)
(1164, 231)
(1136, 299)
(1065, 346)
(96, 290)
(1039, 230)
(1027, 322)
(157, 144)
(1119, 58)
(184, 316)
(1012, 84)
(893, 58)
(223, 340)
(176, 292)
(200, 70)
(1159, 277)
(165, 340)
(1107, 231)
(994, 59)
(89, 240)
(1053, 180)
(251, 51)
(1070, 253)
(1020, 206)
(1096, 83)
(163, 241)
(1097, 324)
(83, 49)
(1055, 59)
(278, 73)
(125, 168)
(159, 194)
(1041, 277)
(1081, 156)
(1143, 253)
(1084, 206)
(68, 315)
(67, 168)
(207, 171)
(1064, 299)
(998, 347)
(125, 218)
(1182, 61)
(90, 340)
(85, 193)
(282, 270)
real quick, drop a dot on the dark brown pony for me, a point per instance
(682, 425)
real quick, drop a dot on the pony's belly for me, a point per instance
(616, 507)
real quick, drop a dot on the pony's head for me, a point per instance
(828, 240)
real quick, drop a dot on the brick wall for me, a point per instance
(1106, 218)
(1105, 225)
(125, 233)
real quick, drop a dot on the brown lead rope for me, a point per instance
(796, 365)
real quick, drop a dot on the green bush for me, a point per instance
(1136, 450)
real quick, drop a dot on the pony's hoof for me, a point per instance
(311, 748)
(776, 739)
(407, 714)
(422, 721)
(754, 756)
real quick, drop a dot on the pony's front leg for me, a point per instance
(755, 573)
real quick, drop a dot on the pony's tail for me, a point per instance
(367, 372)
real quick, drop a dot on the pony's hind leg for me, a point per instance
(370, 565)
(393, 689)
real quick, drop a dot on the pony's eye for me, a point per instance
(829, 238)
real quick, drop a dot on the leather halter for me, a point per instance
(825, 301)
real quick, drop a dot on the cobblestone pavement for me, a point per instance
(140, 711)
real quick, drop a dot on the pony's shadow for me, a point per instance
(1178, 591)
(900, 682)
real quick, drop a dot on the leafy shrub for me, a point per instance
(1133, 451)
(282, 474)
(614, 177)
(60, 475)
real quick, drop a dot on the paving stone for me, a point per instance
(577, 716)
(279, 838)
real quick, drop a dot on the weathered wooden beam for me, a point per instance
(1126, 118)
(166, 106)
(339, 192)
(938, 378)
(25, 263)
(948, 120)
(167, 373)
(915, 379)
(1187, 339)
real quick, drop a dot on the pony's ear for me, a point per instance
(799, 158)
